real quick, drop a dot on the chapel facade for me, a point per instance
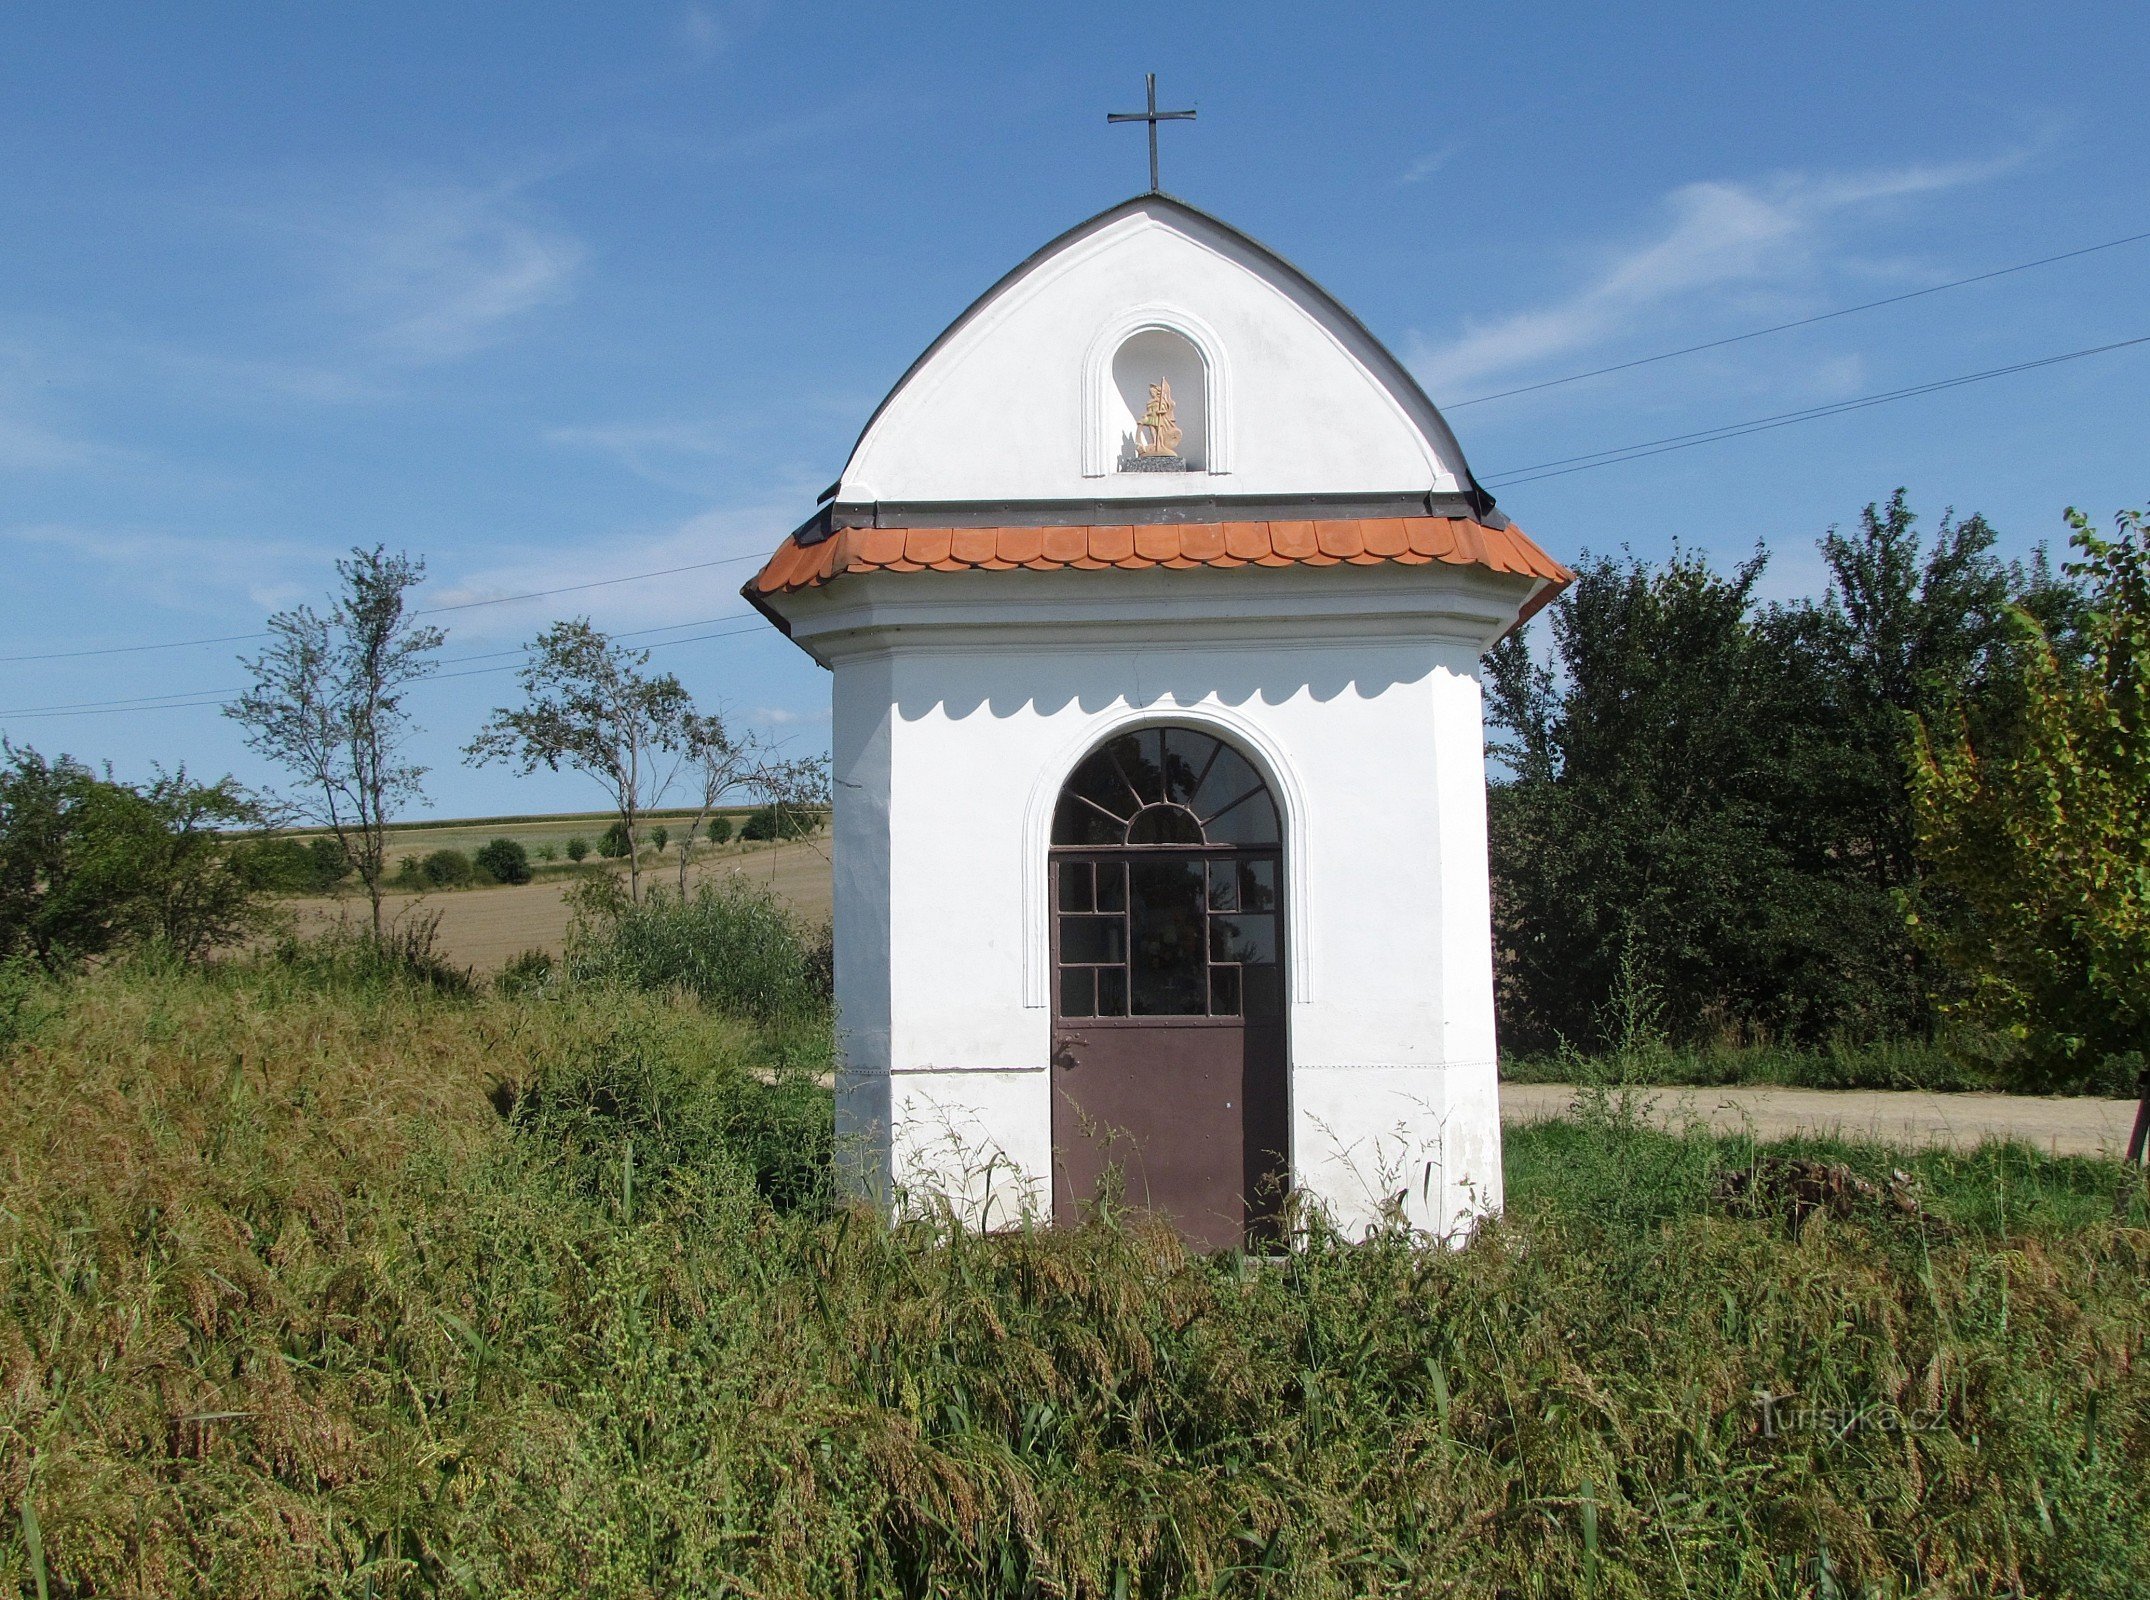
(1154, 596)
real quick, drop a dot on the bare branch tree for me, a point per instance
(797, 788)
(717, 763)
(588, 705)
(327, 706)
(722, 763)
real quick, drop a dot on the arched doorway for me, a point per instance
(1168, 989)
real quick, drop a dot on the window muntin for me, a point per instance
(1165, 883)
(1165, 787)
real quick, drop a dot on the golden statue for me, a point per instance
(1158, 434)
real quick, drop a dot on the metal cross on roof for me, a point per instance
(1153, 116)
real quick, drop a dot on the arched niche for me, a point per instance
(1149, 358)
(1135, 350)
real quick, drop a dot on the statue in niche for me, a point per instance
(1157, 436)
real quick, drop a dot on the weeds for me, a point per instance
(732, 944)
(332, 1287)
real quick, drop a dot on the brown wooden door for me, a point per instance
(1169, 1053)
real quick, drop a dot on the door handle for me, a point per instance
(1064, 1056)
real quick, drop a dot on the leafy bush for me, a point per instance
(547, 851)
(731, 943)
(90, 865)
(779, 822)
(612, 844)
(289, 866)
(1715, 787)
(577, 848)
(627, 1114)
(447, 869)
(406, 957)
(530, 973)
(505, 861)
(720, 830)
(659, 837)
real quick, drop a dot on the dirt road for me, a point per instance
(2062, 1125)
(486, 928)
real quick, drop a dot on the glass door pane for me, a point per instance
(1167, 930)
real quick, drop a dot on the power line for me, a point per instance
(430, 611)
(1797, 322)
(595, 583)
(1687, 441)
(1457, 405)
(191, 698)
(1558, 468)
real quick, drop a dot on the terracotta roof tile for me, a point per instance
(1061, 545)
(1021, 546)
(1294, 541)
(1112, 544)
(1386, 537)
(1249, 541)
(1157, 541)
(1201, 542)
(970, 547)
(1341, 538)
(1430, 537)
(1378, 541)
(879, 547)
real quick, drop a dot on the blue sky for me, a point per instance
(554, 293)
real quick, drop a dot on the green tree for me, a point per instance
(326, 704)
(447, 869)
(2035, 836)
(89, 864)
(1708, 794)
(588, 704)
(505, 861)
(577, 847)
(1643, 826)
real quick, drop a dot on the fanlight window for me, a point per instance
(1173, 788)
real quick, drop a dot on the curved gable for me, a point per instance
(1034, 392)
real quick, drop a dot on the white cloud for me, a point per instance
(738, 537)
(1716, 239)
(703, 33)
(28, 445)
(786, 717)
(446, 272)
(204, 568)
(431, 272)
(29, 441)
(654, 451)
(1432, 161)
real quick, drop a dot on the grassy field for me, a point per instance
(486, 927)
(321, 1279)
(469, 834)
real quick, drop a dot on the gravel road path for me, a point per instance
(2061, 1125)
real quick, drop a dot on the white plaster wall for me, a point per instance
(958, 713)
(1302, 399)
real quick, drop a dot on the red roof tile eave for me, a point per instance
(1387, 541)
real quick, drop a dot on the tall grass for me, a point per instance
(731, 943)
(350, 1288)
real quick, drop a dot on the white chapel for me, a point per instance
(1154, 596)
